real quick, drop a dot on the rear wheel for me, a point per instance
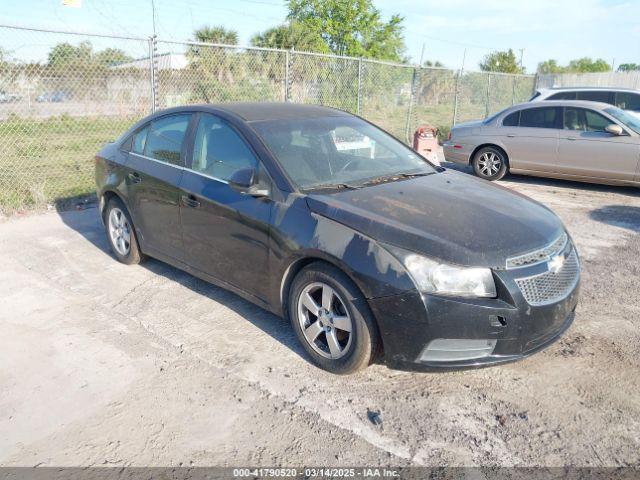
(332, 319)
(120, 233)
(490, 163)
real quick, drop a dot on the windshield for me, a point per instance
(340, 151)
(629, 119)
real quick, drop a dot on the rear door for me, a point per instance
(587, 150)
(530, 136)
(226, 233)
(156, 164)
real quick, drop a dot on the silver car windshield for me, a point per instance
(629, 119)
(338, 151)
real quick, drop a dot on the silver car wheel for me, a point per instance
(324, 320)
(489, 164)
(119, 231)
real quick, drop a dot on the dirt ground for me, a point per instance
(103, 364)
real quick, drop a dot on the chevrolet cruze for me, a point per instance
(317, 215)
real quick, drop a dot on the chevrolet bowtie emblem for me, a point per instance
(556, 263)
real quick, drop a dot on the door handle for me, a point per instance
(511, 135)
(571, 138)
(134, 177)
(190, 201)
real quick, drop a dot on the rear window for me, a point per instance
(535, 95)
(539, 117)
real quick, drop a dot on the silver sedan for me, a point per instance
(577, 140)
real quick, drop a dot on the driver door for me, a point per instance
(585, 149)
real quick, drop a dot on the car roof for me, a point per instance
(578, 89)
(259, 111)
(563, 103)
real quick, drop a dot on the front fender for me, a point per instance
(373, 269)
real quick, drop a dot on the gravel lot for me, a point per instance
(104, 364)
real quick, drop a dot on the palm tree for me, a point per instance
(216, 34)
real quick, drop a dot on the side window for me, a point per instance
(511, 120)
(139, 139)
(539, 117)
(628, 101)
(165, 137)
(563, 96)
(573, 119)
(218, 150)
(595, 121)
(595, 96)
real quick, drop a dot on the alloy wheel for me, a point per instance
(489, 164)
(325, 320)
(119, 231)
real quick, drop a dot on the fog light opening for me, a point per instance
(451, 350)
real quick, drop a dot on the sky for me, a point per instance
(542, 29)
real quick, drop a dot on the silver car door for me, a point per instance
(533, 144)
(585, 149)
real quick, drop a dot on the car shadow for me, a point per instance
(87, 223)
(551, 182)
(624, 216)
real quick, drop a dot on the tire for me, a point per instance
(118, 225)
(490, 163)
(333, 347)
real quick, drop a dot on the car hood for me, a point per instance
(450, 216)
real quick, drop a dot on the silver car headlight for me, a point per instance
(431, 276)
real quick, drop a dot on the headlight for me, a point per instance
(432, 276)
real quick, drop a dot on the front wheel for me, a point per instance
(490, 163)
(332, 320)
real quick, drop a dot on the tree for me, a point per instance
(351, 27)
(628, 67)
(586, 64)
(430, 64)
(65, 54)
(217, 34)
(550, 66)
(291, 35)
(504, 61)
(111, 56)
(579, 65)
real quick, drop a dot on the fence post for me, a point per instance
(455, 97)
(359, 84)
(513, 90)
(486, 102)
(286, 76)
(414, 83)
(153, 67)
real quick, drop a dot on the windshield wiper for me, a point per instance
(345, 186)
(396, 176)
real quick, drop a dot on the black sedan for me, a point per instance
(317, 215)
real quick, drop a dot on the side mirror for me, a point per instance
(614, 129)
(245, 182)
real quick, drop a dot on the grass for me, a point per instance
(45, 161)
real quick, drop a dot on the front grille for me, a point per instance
(539, 256)
(551, 286)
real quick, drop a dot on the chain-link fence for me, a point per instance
(64, 94)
